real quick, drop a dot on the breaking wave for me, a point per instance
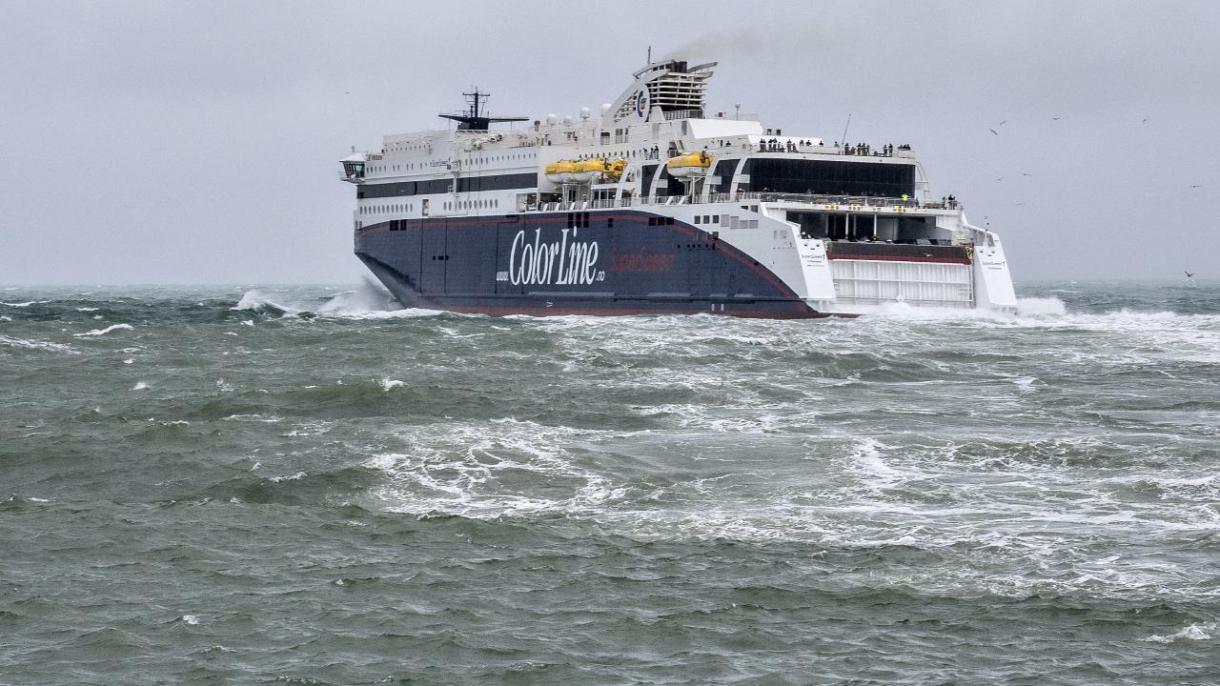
(109, 329)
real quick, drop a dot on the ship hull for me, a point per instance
(582, 263)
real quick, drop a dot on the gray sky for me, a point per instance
(167, 142)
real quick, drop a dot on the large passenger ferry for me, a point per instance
(657, 205)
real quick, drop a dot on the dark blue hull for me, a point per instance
(603, 263)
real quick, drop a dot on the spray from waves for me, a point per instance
(1041, 307)
(1029, 310)
(253, 300)
(368, 301)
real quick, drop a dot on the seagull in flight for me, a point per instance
(993, 131)
(1189, 275)
(1145, 120)
(1056, 118)
(1026, 174)
(1196, 185)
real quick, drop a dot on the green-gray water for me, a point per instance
(198, 487)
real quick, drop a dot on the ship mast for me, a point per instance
(473, 119)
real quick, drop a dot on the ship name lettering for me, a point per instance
(563, 262)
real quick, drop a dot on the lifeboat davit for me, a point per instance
(615, 169)
(685, 166)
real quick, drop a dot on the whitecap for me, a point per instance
(140, 386)
(387, 384)
(254, 301)
(25, 304)
(1194, 632)
(264, 419)
(108, 329)
(190, 619)
(37, 345)
(291, 477)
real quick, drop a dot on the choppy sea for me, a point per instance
(303, 485)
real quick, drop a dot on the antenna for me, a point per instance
(737, 111)
(475, 119)
(845, 128)
(649, 55)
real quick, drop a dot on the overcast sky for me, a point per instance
(174, 142)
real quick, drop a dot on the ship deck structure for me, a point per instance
(657, 205)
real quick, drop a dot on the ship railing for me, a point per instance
(838, 201)
(816, 199)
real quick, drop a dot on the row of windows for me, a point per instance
(388, 209)
(660, 221)
(831, 178)
(469, 184)
(500, 182)
(477, 160)
(487, 159)
(395, 208)
(472, 204)
(707, 219)
(642, 153)
(391, 190)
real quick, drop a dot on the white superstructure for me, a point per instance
(846, 228)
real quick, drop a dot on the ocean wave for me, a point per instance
(1195, 632)
(253, 300)
(28, 303)
(333, 487)
(109, 329)
(367, 302)
(46, 346)
(489, 470)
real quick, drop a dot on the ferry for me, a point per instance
(658, 205)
